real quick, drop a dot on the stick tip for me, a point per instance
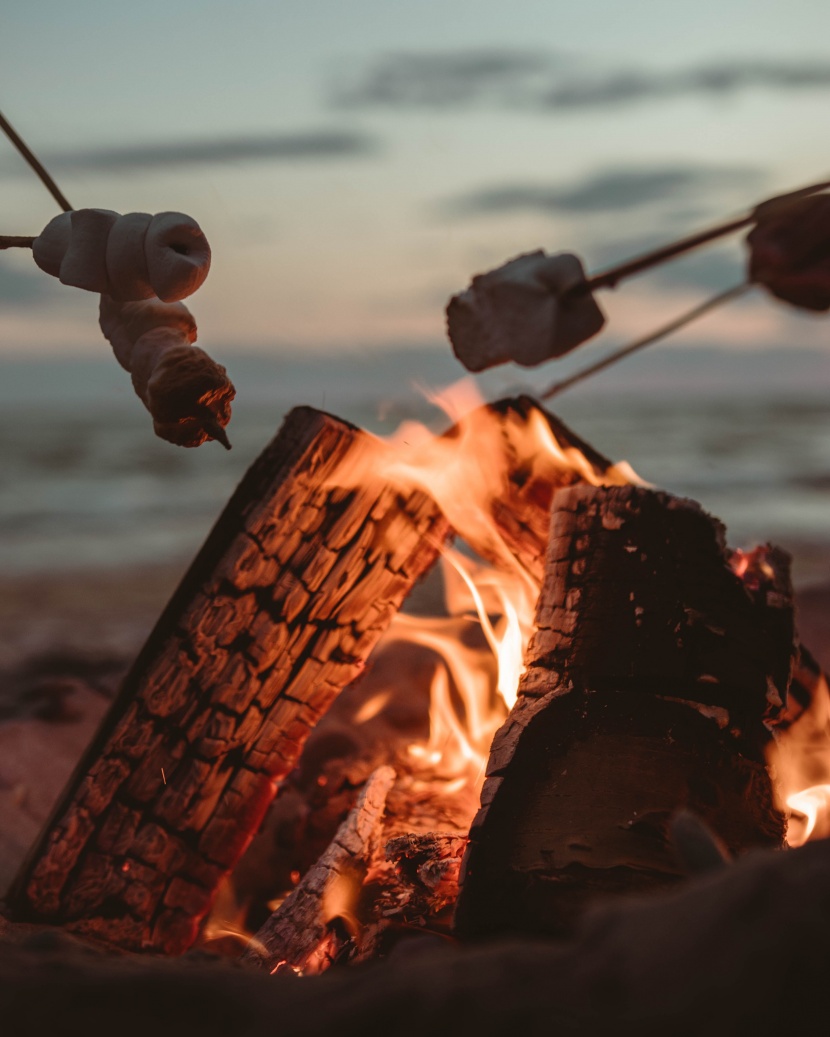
(215, 431)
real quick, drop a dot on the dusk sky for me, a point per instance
(353, 163)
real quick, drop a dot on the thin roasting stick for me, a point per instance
(41, 171)
(686, 318)
(611, 277)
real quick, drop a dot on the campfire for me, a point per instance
(589, 699)
(607, 697)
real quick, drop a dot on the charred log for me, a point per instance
(294, 586)
(649, 680)
(302, 934)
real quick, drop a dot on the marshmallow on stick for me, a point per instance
(129, 257)
(188, 394)
(526, 311)
(789, 250)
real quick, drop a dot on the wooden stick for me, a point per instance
(36, 165)
(667, 329)
(15, 241)
(296, 583)
(611, 277)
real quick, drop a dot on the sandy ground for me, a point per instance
(66, 642)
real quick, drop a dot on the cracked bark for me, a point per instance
(280, 610)
(648, 681)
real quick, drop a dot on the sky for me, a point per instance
(353, 164)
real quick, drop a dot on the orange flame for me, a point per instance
(799, 761)
(466, 473)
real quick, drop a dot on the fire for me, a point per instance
(467, 472)
(477, 646)
(800, 763)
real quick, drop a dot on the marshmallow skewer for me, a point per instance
(38, 167)
(15, 241)
(131, 260)
(537, 307)
(188, 394)
(611, 277)
(129, 257)
(646, 340)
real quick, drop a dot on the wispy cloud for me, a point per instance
(449, 78)
(315, 146)
(717, 79)
(540, 81)
(609, 190)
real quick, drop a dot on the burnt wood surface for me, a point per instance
(300, 934)
(280, 610)
(648, 681)
(743, 950)
(536, 467)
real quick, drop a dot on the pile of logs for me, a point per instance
(659, 664)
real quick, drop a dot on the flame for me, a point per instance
(467, 473)
(472, 686)
(809, 805)
(799, 761)
(466, 470)
(490, 455)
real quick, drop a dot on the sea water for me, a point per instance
(85, 483)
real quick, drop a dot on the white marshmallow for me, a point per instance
(148, 352)
(129, 257)
(124, 323)
(520, 312)
(125, 259)
(50, 246)
(178, 255)
(84, 263)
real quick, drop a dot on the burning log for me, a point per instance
(280, 610)
(648, 681)
(282, 606)
(543, 456)
(300, 934)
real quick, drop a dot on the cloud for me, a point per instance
(454, 78)
(540, 81)
(318, 145)
(716, 79)
(610, 190)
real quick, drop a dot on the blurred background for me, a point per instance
(352, 166)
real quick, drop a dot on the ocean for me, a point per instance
(84, 484)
